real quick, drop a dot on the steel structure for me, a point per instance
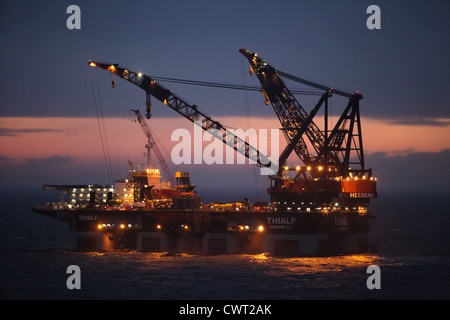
(332, 150)
(189, 111)
(152, 145)
(321, 211)
(331, 158)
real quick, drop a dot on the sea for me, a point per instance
(411, 230)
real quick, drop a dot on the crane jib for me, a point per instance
(191, 112)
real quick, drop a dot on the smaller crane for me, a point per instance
(152, 145)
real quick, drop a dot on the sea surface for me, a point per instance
(412, 232)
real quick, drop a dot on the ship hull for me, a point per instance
(210, 232)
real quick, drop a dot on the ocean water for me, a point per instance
(411, 231)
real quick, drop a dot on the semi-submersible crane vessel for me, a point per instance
(317, 208)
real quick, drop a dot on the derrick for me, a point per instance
(153, 146)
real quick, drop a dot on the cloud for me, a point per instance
(408, 170)
(5, 158)
(430, 122)
(58, 169)
(50, 161)
(396, 153)
(47, 164)
(10, 132)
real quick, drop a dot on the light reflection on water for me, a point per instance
(305, 265)
(233, 264)
(412, 236)
(128, 274)
(295, 264)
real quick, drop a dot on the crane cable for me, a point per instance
(247, 115)
(101, 126)
(230, 85)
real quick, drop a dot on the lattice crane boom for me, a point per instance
(152, 145)
(290, 113)
(190, 112)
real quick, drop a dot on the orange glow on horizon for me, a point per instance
(35, 138)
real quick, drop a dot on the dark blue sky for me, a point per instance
(402, 69)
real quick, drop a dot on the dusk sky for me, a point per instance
(49, 131)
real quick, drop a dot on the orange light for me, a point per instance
(99, 227)
(92, 64)
(122, 226)
(297, 168)
(308, 168)
(320, 168)
(186, 227)
(158, 227)
(261, 228)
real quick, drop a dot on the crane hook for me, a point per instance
(113, 82)
(148, 104)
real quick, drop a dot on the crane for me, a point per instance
(330, 158)
(328, 155)
(152, 145)
(329, 147)
(189, 111)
